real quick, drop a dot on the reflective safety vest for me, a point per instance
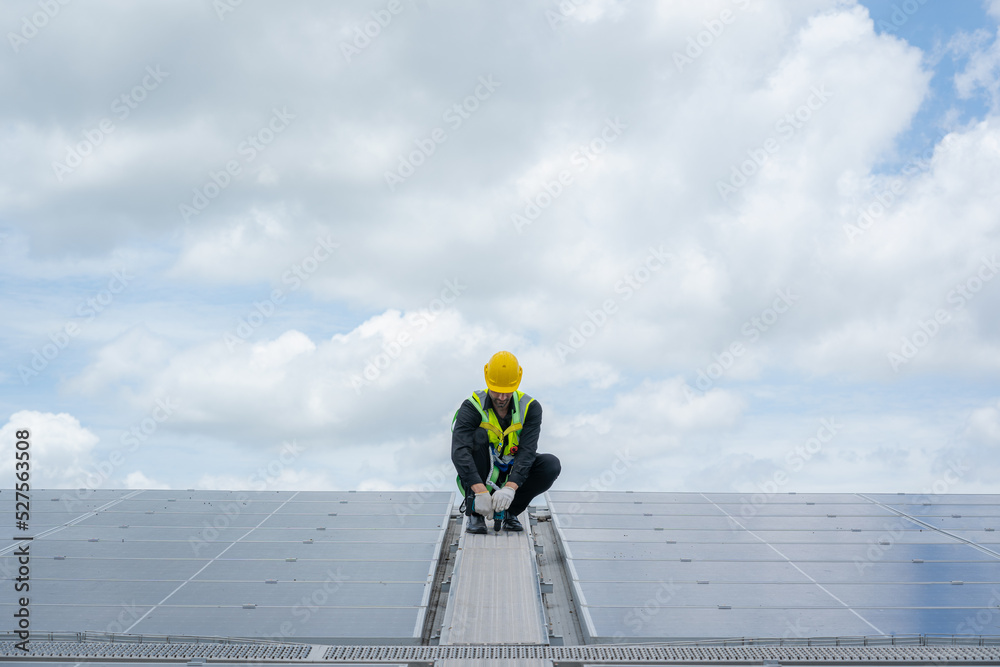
(503, 442)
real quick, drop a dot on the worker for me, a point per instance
(494, 446)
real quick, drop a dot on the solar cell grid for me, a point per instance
(951, 523)
(364, 521)
(640, 509)
(329, 566)
(690, 572)
(980, 509)
(827, 522)
(315, 570)
(205, 495)
(835, 499)
(234, 506)
(820, 564)
(747, 508)
(73, 592)
(872, 551)
(738, 534)
(167, 519)
(934, 499)
(665, 521)
(690, 594)
(407, 498)
(45, 496)
(377, 546)
(50, 519)
(914, 594)
(289, 593)
(139, 549)
(84, 532)
(107, 569)
(650, 619)
(888, 572)
(989, 540)
(763, 523)
(306, 621)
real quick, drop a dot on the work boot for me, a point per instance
(476, 525)
(511, 523)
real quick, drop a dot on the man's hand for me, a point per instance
(483, 504)
(502, 499)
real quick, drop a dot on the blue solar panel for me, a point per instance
(314, 566)
(665, 566)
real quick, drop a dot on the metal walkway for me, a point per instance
(153, 653)
(495, 596)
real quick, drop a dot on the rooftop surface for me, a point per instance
(858, 572)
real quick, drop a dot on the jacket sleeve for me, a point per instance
(527, 444)
(463, 441)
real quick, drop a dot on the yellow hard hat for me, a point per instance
(503, 374)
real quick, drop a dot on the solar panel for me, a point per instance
(306, 566)
(681, 566)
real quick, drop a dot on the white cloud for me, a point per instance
(984, 426)
(274, 389)
(60, 448)
(982, 69)
(643, 440)
(373, 344)
(376, 484)
(260, 244)
(285, 480)
(137, 480)
(124, 362)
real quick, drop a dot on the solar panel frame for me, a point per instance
(129, 561)
(854, 565)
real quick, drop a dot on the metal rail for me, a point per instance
(952, 654)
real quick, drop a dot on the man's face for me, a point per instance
(500, 401)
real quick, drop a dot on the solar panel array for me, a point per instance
(345, 567)
(656, 566)
(295, 566)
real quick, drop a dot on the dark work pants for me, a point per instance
(543, 473)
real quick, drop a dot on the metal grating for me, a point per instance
(593, 655)
(669, 654)
(156, 650)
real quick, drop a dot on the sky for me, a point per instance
(736, 245)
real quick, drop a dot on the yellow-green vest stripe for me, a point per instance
(492, 425)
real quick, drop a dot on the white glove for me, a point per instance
(483, 505)
(502, 499)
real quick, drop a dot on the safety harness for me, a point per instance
(503, 442)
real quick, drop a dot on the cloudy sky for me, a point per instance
(738, 245)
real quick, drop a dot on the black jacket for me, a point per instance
(470, 444)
